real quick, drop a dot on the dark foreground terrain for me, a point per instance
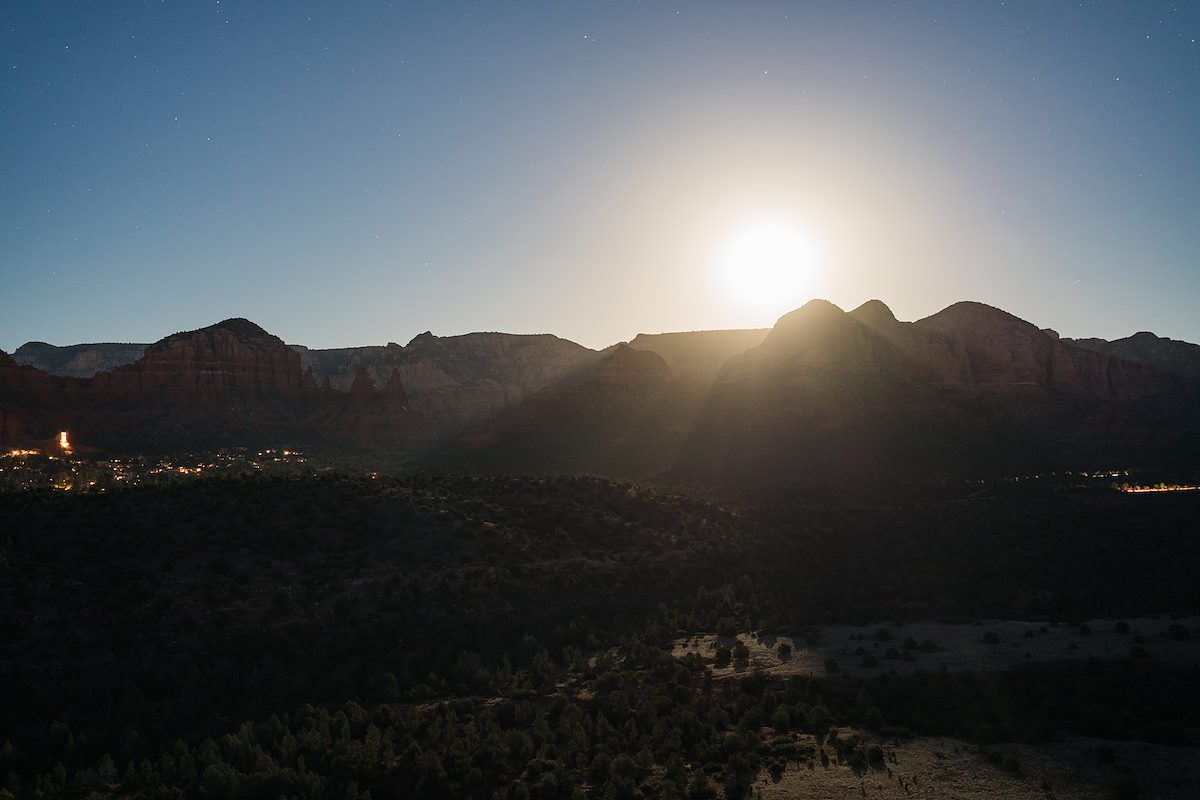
(440, 635)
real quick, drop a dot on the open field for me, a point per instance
(1067, 768)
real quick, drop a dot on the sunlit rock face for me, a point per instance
(78, 360)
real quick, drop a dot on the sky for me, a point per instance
(356, 173)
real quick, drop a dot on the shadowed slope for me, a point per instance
(859, 404)
(698, 355)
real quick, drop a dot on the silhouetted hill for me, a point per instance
(625, 416)
(228, 384)
(843, 404)
(828, 401)
(698, 355)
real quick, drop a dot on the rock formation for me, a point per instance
(699, 355)
(627, 366)
(833, 399)
(78, 360)
(22, 389)
(1163, 354)
(228, 384)
(625, 416)
(232, 362)
(457, 380)
(824, 399)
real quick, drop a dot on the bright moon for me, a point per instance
(769, 265)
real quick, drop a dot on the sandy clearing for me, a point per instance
(961, 647)
(1065, 769)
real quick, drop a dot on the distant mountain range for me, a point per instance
(78, 360)
(826, 400)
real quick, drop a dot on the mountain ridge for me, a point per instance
(84, 360)
(824, 397)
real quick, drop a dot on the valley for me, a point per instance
(747, 563)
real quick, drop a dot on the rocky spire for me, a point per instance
(394, 395)
(362, 391)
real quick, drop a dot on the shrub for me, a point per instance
(1124, 788)
(624, 767)
(818, 718)
(701, 789)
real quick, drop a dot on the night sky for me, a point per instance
(356, 173)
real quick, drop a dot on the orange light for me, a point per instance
(1160, 488)
(64, 442)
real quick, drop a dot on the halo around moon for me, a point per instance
(769, 266)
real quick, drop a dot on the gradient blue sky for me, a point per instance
(354, 173)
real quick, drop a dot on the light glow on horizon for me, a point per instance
(770, 266)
